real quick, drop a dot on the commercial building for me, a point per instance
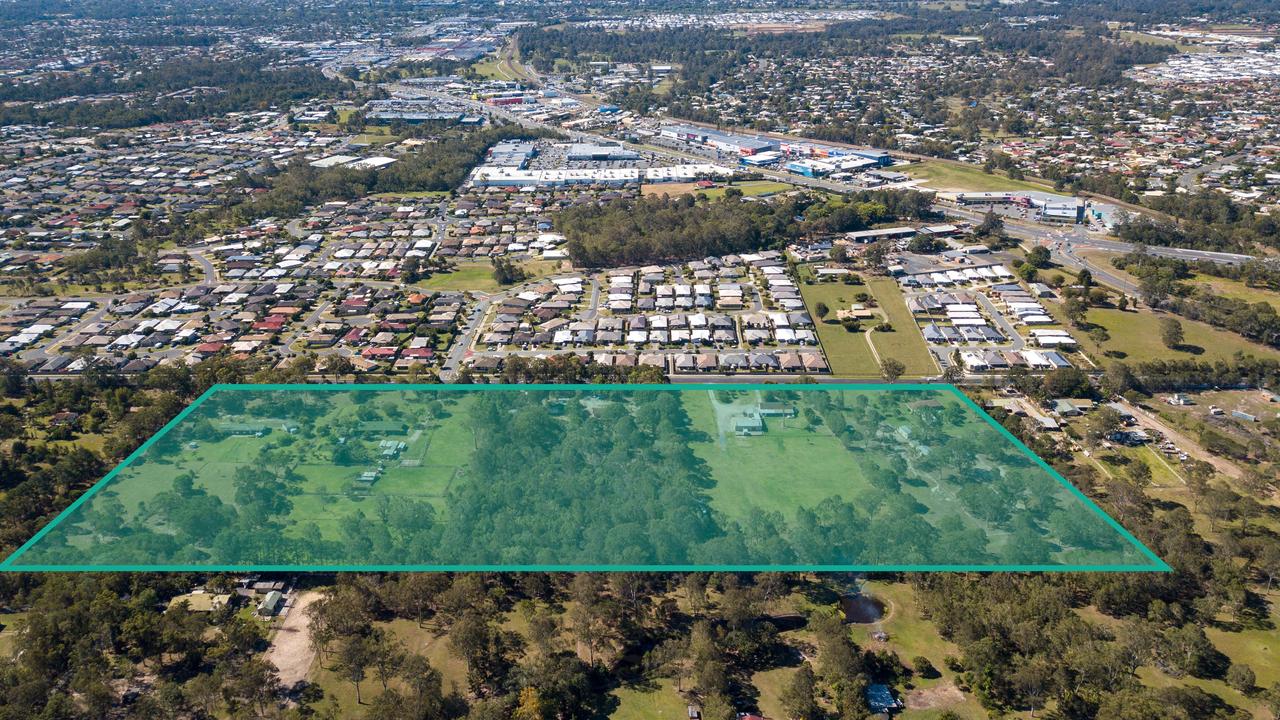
(718, 140)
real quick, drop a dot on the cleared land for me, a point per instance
(478, 275)
(848, 352)
(1135, 336)
(951, 177)
(749, 188)
(904, 343)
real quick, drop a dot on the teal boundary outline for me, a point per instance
(1157, 565)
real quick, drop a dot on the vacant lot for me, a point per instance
(847, 352)
(477, 275)
(905, 343)
(750, 188)
(1136, 336)
(949, 177)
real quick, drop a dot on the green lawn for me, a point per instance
(748, 476)
(478, 275)
(375, 135)
(12, 623)
(847, 352)
(660, 703)
(1141, 37)
(1259, 649)
(1137, 336)
(490, 67)
(770, 684)
(910, 634)
(750, 188)
(952, 177)
(905, 343)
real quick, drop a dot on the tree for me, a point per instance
(925, 669)
(506, 272)
(798, 699)
(354, 657)
(891, 369)
(1241, 677)
(717, 707)
(875, 254)
(1038, 256)
(953, 373)
(426, 684)
(992, 225)
(1101, 424)
(1139, 473)
(821, 310)
(529, 707)
(1171, 333)
(386, 654)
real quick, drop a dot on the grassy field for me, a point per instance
(1137, 337)
(12, 623)
(660, 702)
(478, 275)
(910, 636)
(749, 188)
(488, 68)
(1141, 37)
(816, 456)
(770, 684)
(905, 343)
(848, 352)
(375, 135)
(959, 178)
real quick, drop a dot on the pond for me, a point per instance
(861, 609)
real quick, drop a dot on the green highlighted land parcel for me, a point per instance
(583, 477)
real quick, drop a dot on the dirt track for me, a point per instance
(291, 650)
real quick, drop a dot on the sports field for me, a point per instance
(585, 476)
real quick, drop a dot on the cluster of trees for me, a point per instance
(83, 631)
(665, 229)
(586, 632)
(248, 83)
(565, 369)
(1084, 58)
(540, 487)
(1206, 220)
(1160, 283)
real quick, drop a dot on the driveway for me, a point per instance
(291, 652)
